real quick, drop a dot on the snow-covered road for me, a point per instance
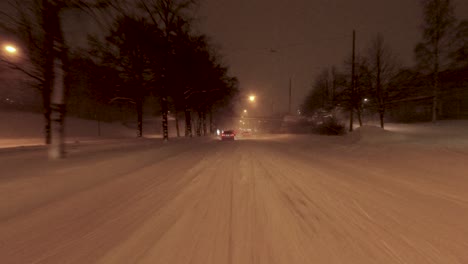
(276, 199)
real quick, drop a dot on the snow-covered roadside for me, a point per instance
(23, 129)
(450, 134)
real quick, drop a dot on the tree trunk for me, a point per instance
(211, 122)
(359, 115)
(177, 123)
(47, 111)
(139, 108)
(57, 131)
(57, 83)
(353, 87)
(48, 47)
(434, 106)
(57, 105)
(164, 108)
(199, 124)
(204, 123)
(381, 114)
(188, 123)
(435, 91)
(194, 124)
(380, 95)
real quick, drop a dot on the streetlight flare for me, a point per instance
(245, 110)
(252, 98)
(10, 49)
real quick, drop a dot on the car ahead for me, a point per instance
(228, 135)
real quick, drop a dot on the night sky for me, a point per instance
(307, 36)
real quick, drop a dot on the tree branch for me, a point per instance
(149, 12)
(198, 92)
(18, 68)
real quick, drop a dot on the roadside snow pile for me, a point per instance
(442, 128)
(26, 129)
(374, 134)
(445, 133)
(31, 125)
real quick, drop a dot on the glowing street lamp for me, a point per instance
(252, 98)
(245, 111)
(10, 49)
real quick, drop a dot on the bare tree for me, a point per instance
(459, 54)
(439, 20)
(356, 87)
(25, 23)
(382, 70)
(318, 97)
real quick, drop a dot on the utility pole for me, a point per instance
(290, 93)
(352, 96)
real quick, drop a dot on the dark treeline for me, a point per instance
(435, 88)
(147, 60)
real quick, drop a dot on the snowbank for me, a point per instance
(445, 133)
(26, 129)
(30, 125)
(374, 134)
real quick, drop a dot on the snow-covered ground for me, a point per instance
(372, 196)
(26, 129)
(22, 129)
